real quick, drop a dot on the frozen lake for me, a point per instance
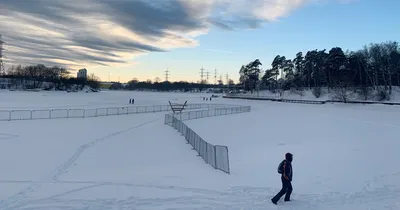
(344, 155)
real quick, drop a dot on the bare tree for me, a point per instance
(93, 81)
(341, 92)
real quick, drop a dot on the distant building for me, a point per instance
(82, 73)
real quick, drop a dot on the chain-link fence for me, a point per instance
(212, 112)
(8, 115)
(215, 155)
(276, 99)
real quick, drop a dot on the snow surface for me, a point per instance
(344, 156)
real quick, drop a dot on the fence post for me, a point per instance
(84, 112)
(68, 113)
(182, 128)
(107, 112)
(31, 114)
(206, 154)
(96, 112)
(50, 113)
(227, 156)
(9, 115)
(215, 157)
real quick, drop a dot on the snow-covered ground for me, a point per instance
(61, 99)
(344, 156)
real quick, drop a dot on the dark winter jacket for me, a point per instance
(287, 170)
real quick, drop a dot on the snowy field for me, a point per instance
(345, 156)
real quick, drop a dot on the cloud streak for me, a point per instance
(78, 33)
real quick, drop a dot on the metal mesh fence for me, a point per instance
(8, 115)
(215, 155)
(90, 113)
(276, 99)
(191, 115)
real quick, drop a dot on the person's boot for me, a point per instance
(274, 202)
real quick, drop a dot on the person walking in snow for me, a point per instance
(285, 168)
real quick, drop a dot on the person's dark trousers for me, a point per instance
(286, 189)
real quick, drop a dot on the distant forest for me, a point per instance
(34, 76)
(372, 70)
(43, 77)
(169, 86)
(375, 68)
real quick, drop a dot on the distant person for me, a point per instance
(285, 168)
(133, 101)
(130, 101)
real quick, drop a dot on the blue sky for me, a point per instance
(312, 25)
(315, 26)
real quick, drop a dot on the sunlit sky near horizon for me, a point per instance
(141, 39)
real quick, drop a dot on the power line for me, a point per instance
(2, 69)
(201, 74)
(166, 73)
(215, 76)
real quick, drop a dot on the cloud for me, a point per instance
(78, 33)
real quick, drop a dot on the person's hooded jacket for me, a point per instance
(287, 173)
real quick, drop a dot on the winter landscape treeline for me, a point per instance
(40, 76)
(135, 84)
(372, 71)
(57, 78)
(368, 73)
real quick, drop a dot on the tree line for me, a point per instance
(184, 86)
(58, 78)
(375, 67)
(35, 76)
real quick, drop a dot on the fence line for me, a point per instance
(215, 155)
(303, 101)
(263, 98)
(8, 115)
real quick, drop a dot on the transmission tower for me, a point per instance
(166, 74)
(201, 74)
(207, 76)
(227, 79)
(2, 69)
(215, 76)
